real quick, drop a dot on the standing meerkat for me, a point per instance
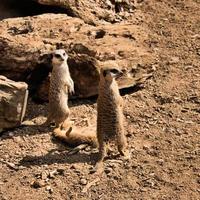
(61, 84)
(110, 115)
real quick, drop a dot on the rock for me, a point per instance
(18, 139)
(44, 175)
(38, 184)
(61, 171)
(108, 170)
(174, 60)
(92, 12)
(83, 181)
(53, 173)
(26, 43)
(13, 100)
(49, 189)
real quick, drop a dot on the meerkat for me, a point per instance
(61, 84)
(110, 115)
(75, 136)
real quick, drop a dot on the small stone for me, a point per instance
(174, 60)
(128, 116)
(60, 171)
(38, 184)
(160, 161)
(52, 174)
(83, 181)
(49, 189)
(18, 139)
(143, 189)
(154, 67)
(187, 67)
(108, 170)
(44, 175)
(11, 134)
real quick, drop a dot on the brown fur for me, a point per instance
(76, 136)
(60, 85)
(110, 114)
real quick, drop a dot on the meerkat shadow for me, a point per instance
(60, 155)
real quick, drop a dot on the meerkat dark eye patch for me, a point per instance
(57, 56)
(114, 71)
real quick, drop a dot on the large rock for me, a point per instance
(92, 12)
(13, 99)
(26, 42)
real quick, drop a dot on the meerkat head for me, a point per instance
(59, 56)
(110, 73)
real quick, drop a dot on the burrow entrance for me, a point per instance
(23, 8)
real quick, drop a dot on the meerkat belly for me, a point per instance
(58, 98)
(109, 118)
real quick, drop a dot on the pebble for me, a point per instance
(11, 134)
(60, 171)
(49, 189)
(52, 174)
(108, 170)
(174, 60)
(44, 175)
(160, 162)
(38, 184)
(18, 139)
(83, 181)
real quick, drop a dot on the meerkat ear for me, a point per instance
(104, 73)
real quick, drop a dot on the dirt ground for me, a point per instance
(162, 124)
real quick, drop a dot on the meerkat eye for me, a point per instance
(64, 54)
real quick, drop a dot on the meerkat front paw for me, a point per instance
(71, 86)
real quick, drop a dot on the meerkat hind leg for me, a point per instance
(99, 166)
(122, 147)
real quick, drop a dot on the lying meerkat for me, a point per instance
(110, 114)
(75, 136)
(61, 84)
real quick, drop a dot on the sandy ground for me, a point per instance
(162, 125)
